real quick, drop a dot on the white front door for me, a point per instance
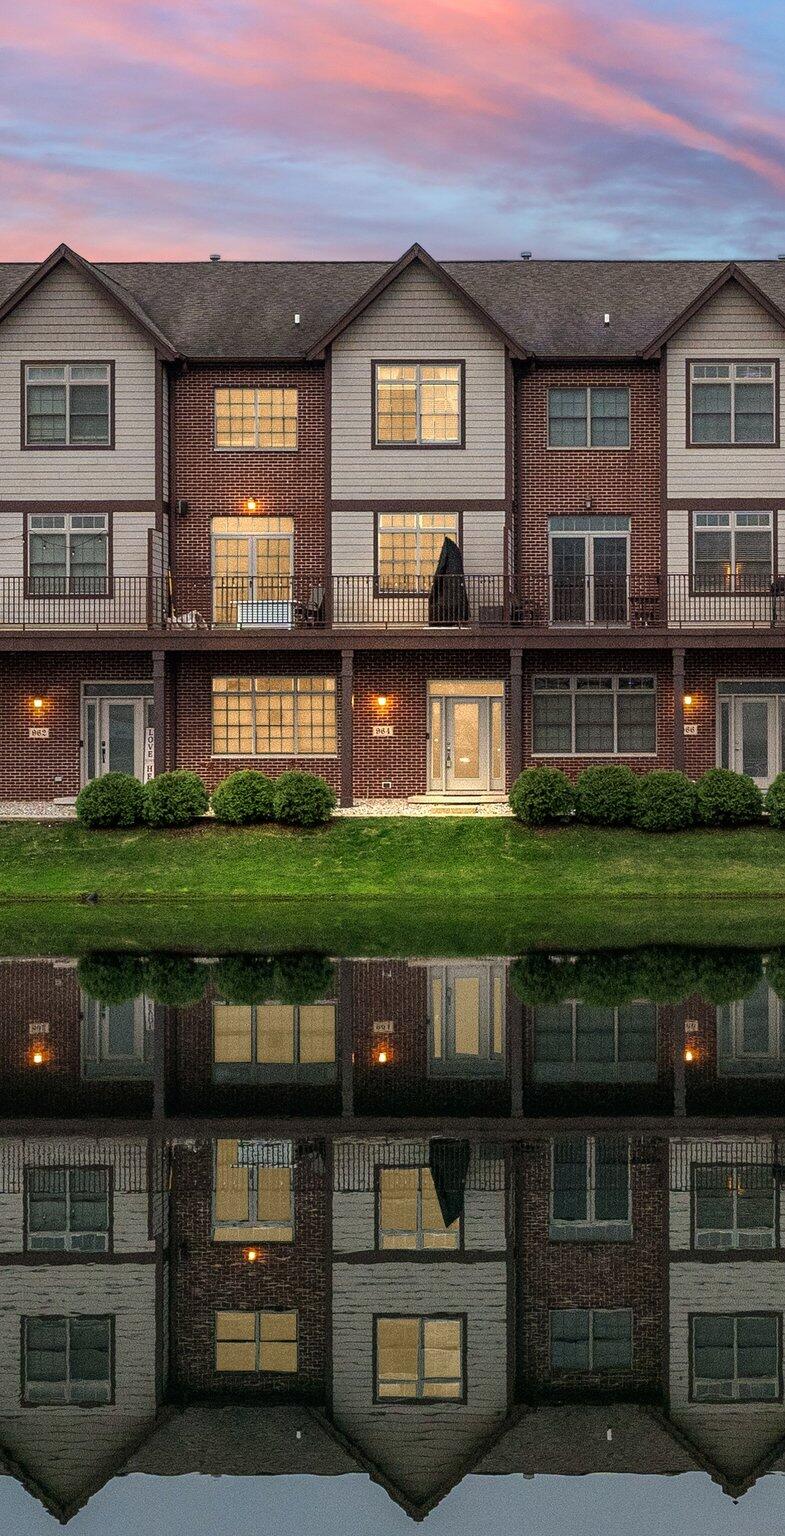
(113, 735)
(466, 744)
(755, 738)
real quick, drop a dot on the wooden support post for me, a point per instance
(347, 727)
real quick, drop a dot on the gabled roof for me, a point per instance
(415, 254)
(732, 273)
(105, 284)
(64, 1508)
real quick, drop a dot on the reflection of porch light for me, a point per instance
(382, 1056)
(251, 504)
(251, 1255)
(690, 1054)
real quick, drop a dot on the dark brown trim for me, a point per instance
(730, 273)
(663, 465)
(347, 728)
(64, 362)
(412, 1127)
(327, 397)
(515, 711)
(64, 510)
(691, 511)
(98, 281)
(62, 1256)
(418, 362)
(422, 1256)
(430, 1317)
(69, 504)
(66, 1317)
(346, 1037)
(414, 253)
(158, 436)
(417, 504)
(722, 503)
(735, 446)
(739, 1311)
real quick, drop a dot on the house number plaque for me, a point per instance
(384, 730)
(39, 733)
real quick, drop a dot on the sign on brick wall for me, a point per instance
(384, 730)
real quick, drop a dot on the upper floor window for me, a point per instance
(68, 1210)
(264, 419)
(408, 545)
(253, 1192)
(732, 404)
(67, 405)
(736, 1358)
(68, 554)
(256, 1341)
(67, 1360)
(274, 716)
(590, 1187)
(732, 551)
(589, 418)
(419, 1357)
(409, 1214)
(418, 405)
(734, 1206)
(594, 716)
(591, 1339)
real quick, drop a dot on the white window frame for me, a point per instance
(272, 1072)
(579, 1073)
(706, 521)
(65, 382)
(444, 1059)
(733, 1014)
(587, 390)
(732, 378)
(448, 524)
(419, 441)
(67, 1392)
(736, 1381)
(592, 1313)
(592, 680)
(35, 1241)
(96, 1053)
(328, 693)
(256, 391)
(590, 1220)
(69, 525)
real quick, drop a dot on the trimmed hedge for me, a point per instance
(727, 799)
(303, 978)
(175, 799)
(244, 797)
(607, 795)
(667, 802)
(302, 799)
(542, 795)
(115, 800)
(176, 981)
(775, 802)
(111, 979)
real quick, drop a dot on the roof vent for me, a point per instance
(216, 257)
(606, 319)
(526, 255)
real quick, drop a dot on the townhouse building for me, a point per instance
(410, 526)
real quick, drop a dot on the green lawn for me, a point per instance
(411, 885)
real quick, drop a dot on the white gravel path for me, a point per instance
(43, 810)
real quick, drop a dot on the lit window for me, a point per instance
(731, 404)
(253, 562)
(409, 1214)
(253, 1192)
(274, 716)
(736, 1358)
(419, 1358)
(591, 1339)
(589, 418)
(67, 405)
(409, 545)
(732, 552)
(418, 404)
(68, 1210)
(256, 418)
(256, 1341)
(68, 554)
(67, 1360)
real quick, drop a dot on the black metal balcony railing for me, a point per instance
(532, 600)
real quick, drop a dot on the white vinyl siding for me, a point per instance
(127, 1164)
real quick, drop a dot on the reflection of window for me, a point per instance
(67, 1359)
(67, 405)
(593, 418)
(409, 1214)
(253, 1193)
(590, 1185)
(750, 1035)
(274, 1042)
(733, 1206)
(591, 1340)
(419, 1357)
(256, 418)
(68, 1209)
(274, 716)
(67, 554)
(115, 1040)
(418, 404)
(574, 1042)
(732, 551)
(731, 403)
(408, 548)
(595, 716)
(736, 1358)
(467, 1020)
(256, 1341)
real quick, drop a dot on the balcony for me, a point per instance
(532, 601)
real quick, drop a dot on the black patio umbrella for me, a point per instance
(449, 1165)
(448, 602)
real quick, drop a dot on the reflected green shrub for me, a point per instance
(114, 800)
(775, 971)
(541, 796)
(662, 975)
(725, 976)
(775, 802)
(607, 795)
(111, 979)
(176, 981)
(667, 802)
(244, 797)
(607, 979)
(175, 799)
(303, 978)
(667, 973)
(541, 980)
(727, 799)
(245, 979)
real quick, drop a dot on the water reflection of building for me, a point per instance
(416, 1307)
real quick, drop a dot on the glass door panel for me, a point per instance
(466, 756)
(609, 604)
(121, 729)
(755, 743)
(569, 580)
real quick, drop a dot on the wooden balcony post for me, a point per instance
(678, 710)
(347, 727)
(516, 713)
(159, 711)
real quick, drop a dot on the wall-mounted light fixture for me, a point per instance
(251, 504)
(38, 1055)
(382, 701)
(37, 703)
(688, 699)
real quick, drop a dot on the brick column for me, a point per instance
(678, 710)
(347, 727)
(159, 711)
(346, 1037)
(516, 713)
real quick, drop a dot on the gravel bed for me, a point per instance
(47, 810)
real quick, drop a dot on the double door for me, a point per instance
(589, 578)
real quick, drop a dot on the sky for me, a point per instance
(137, 129)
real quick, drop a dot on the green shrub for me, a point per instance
(667, 973)
(302, 799)
(667, 802)
(303, 978)
(542, 980)
(174, 799)
(111, 979)
(244, 797)
(775, 802)
(607, 978)
(775, 971)
(542, 795)
(726, 975)
(727, 799)
(245, 979)
(115, 800)
(174, 980)
(607, 795)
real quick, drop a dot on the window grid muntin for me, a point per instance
(593, 1315)
(259, 418)
(739, 1234)
(71, 1388)
(300, 716)
(612, 686)
(70, 381)
(422, 1381)
(254, 1011)
(260, 1316)
(422, 394)
(45, 1240)
(587, 415)
(619, 1025)
(591, 1163)
(730, 525)
(704, 1388)
(729, 376)
(408, 545)
(58, 577)
(421, 1232)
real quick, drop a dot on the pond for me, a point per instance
(316, 1235)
